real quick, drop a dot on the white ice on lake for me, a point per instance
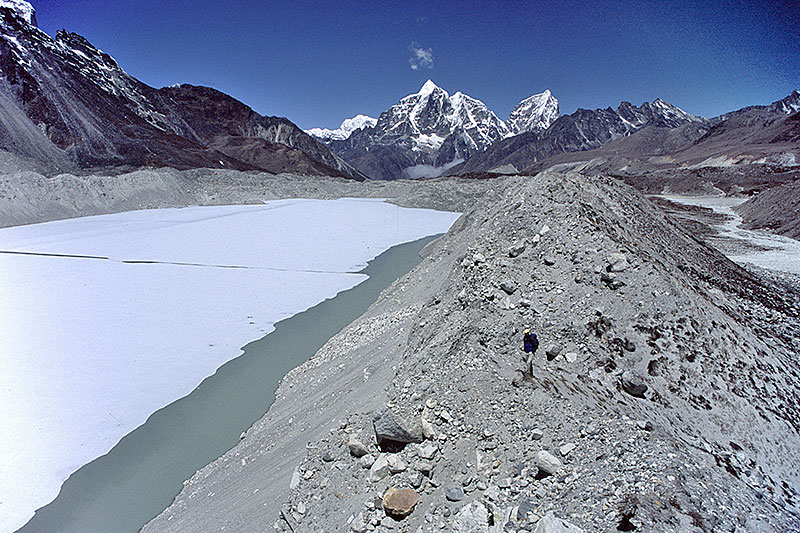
(781, 254)
(91, 347)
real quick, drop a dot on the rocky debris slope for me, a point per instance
(776, 209)
(664, 396)
(28, 197)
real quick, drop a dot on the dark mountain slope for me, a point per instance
(67, 103)
(45, 87)
(208, 115)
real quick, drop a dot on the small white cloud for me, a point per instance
(420, 57)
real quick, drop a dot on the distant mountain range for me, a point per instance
(430, 133)
(71, 107)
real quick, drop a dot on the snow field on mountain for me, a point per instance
(93, 345)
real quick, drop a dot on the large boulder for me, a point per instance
(390, 429)
(633, 384)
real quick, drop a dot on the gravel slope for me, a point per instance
(776, 209)
(671, 399)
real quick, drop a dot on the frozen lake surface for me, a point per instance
(109, 318)
(782, 253)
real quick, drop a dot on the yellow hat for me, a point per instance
(527, 330)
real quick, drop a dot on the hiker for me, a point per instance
(530, 344)
(529, 341)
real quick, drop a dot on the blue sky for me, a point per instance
(318, 63)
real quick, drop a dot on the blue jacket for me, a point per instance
(531, 342)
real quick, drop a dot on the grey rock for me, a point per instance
(479, 258)
(566, 448)
(366, 460)
(552, 351)
(629, 345)
(548, 260)
(506, 304)
(327, 457)
(508, 286)
(504, 483)
(356, 447)
(424, 467)
(428, 451)
(380, 469)
(537, 434)
(359, 524)
(525, 506)
(516, 249)
(390, 427)
(617, 263)
(472, 518)
(396, 463)
(633, 384)
(454, 494)
(427, 429)
(547, 462)
(551, 524)
(611, 280)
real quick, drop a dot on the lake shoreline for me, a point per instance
(101, 492)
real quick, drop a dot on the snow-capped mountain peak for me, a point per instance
(535, 113)
(348, 126)
(357, 122)
(429, 87)
(22, 9)
(432, 113)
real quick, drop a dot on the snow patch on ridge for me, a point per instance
(22, 9)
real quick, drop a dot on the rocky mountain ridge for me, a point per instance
(581, 131)
(70, 104)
